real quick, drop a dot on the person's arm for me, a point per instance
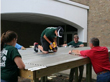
(85, 53)
(81, 45)
(55, 40)
(23, 48)
(82, 52)
(64, 45)
(76, 52)
(70, 43)
(18, 46)
(16, 57)
(19, 63)
(45, 37)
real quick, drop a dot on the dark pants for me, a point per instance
(7, 81)
(104, 77)
(45, 44)
(72, 71)
(3, 80)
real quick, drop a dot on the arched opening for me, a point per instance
(29, 26)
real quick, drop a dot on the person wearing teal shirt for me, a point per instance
(11, 60)
(48, 36)
(75, 44)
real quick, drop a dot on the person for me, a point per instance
(48, 36)
(18, 46)
(99, 58)
(11, 60)
(76, 43)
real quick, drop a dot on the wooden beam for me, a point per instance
(27, 74)
(54, 69)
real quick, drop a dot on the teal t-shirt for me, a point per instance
(9, 69)
(49, 32)
(74, 44)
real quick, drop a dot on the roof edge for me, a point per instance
(73, 3)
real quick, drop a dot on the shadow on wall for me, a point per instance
(27, 32)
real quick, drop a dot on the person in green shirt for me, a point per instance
(11, 60)
(76, 43)
(48, 36)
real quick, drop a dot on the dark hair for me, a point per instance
(76, 36)
(7, 37)
(95, 41)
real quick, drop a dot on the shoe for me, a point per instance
(35, 46)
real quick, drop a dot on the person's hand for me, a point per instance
(76, 52)
(70, 52)
(64, 45)
(52, 45)
(55, 45)
(23, 48)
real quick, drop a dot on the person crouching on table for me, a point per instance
(99, 58)
(76, 43)
(48, 36)
(11, 60)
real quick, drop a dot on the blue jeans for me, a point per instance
(7, 81)
(104, 77)
(3, 80)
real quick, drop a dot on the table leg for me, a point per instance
(76, 74)
(44, 79)
(89, 72)
(35, 79)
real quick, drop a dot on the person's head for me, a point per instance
(94, 42)
(59, 32)
(76, 38)
(8, 37)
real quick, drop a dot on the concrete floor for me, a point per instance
(94, 76)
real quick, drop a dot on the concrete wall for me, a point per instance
(27, 32)
(98, 20)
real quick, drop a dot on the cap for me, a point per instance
(60, 31)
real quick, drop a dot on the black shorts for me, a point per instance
(45, 44)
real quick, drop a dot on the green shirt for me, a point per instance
(49, 32)
(9, 69)
(74, 44)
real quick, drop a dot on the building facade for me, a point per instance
(98, 20)
(89, 18)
